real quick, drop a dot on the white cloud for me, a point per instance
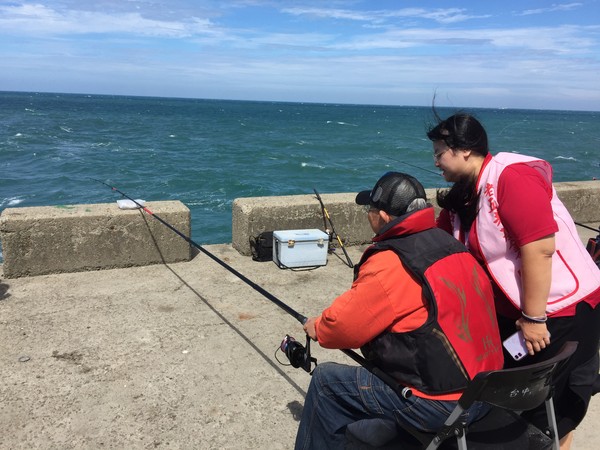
(40, 20)
(448, 15)
(257, 49)
(553, 8)
(569, 40)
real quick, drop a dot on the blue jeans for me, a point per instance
(339, 395)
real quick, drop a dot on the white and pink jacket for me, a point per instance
(574, 274)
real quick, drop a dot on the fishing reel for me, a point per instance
(297, 354)
(332, 239)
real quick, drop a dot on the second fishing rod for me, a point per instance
(298, 355)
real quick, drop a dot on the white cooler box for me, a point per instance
(300, 248)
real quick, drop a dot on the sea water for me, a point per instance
(206, 153)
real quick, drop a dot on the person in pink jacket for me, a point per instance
(506, 211)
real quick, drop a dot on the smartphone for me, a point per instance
(515, 345)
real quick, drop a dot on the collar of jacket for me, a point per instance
(412, 222)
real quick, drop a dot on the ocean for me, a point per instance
(206, 153)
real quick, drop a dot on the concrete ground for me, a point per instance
(178, 356)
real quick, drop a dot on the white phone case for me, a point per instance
(515, 345)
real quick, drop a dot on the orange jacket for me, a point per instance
(383, 297)
(386, 298)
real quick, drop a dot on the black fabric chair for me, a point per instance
(509, 392)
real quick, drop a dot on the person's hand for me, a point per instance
(536, 335)
(309, 328)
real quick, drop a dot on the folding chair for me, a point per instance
(509, 392)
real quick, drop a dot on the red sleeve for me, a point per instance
(384, 296)
(524, 204)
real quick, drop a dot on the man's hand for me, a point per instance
(309, 328)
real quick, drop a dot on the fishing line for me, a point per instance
(439, 174)
(398, 388)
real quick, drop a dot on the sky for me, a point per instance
(498, 54)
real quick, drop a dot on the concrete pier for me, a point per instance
(178, 355)
(72, 238)
(167, 356)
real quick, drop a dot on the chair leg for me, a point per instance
(552, 423)
(458, 430)
(462, 441)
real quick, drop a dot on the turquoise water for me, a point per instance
(206, 153)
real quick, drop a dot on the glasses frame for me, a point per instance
(438, 155)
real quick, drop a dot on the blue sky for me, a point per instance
(520, 54)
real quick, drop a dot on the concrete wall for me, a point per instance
(54, 239)
(251, 216)
(72, 238)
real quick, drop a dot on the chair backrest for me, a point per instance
(519, 388)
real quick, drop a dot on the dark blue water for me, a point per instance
(206, 153)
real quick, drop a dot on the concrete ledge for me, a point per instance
(55, 239)
(582, 199)
(72, 238)
(251, 216)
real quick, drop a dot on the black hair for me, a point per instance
(462, 199)
(460, 131)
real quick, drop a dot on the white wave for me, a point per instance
(343, 123)
(18, 135)
(570, 158)
(172, 135)
(11, 201)
(317, 166)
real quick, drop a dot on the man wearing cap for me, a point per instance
(420, 308)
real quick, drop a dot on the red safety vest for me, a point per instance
(460, 337)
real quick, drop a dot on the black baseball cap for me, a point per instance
(395, 193)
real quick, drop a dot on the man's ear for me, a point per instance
(385, 216)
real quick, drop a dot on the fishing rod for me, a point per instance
(593, 244)
(299, 317)
(298, 354)
(333, 232)
(588, 227)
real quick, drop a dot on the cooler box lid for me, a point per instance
(300, 235)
